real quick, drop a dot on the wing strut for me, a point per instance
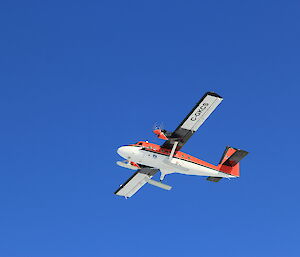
(173, 150)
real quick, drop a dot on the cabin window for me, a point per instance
(182, 155)
(189, 157)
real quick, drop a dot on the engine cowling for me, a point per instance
(162, 134)
(128, 165)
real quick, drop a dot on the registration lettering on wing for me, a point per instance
(199, 111)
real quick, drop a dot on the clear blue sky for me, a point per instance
(78, 79)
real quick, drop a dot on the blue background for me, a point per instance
(78, 79)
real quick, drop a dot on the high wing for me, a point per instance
(207, 104)
(136, 181)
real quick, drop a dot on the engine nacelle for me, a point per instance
(128, 165)
(162, 134)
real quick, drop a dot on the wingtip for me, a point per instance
(214, 94)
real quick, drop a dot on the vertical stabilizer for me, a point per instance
(229, 162)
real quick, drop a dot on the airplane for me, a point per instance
(146, 159)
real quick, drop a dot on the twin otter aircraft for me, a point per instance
(147, 158)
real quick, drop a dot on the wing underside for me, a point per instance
(136, 181)
(207, 104)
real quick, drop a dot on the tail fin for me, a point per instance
(229, 162)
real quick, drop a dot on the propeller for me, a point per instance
(159, 131)
(158, 125)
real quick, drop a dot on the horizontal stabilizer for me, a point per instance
(214, 179)
(235, 158)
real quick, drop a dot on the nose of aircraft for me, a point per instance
(124, 151)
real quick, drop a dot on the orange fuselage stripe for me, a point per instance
(180, 155)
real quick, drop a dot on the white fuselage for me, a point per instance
(165, 164)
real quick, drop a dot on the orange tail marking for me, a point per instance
(234, 171)
(231, 170)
